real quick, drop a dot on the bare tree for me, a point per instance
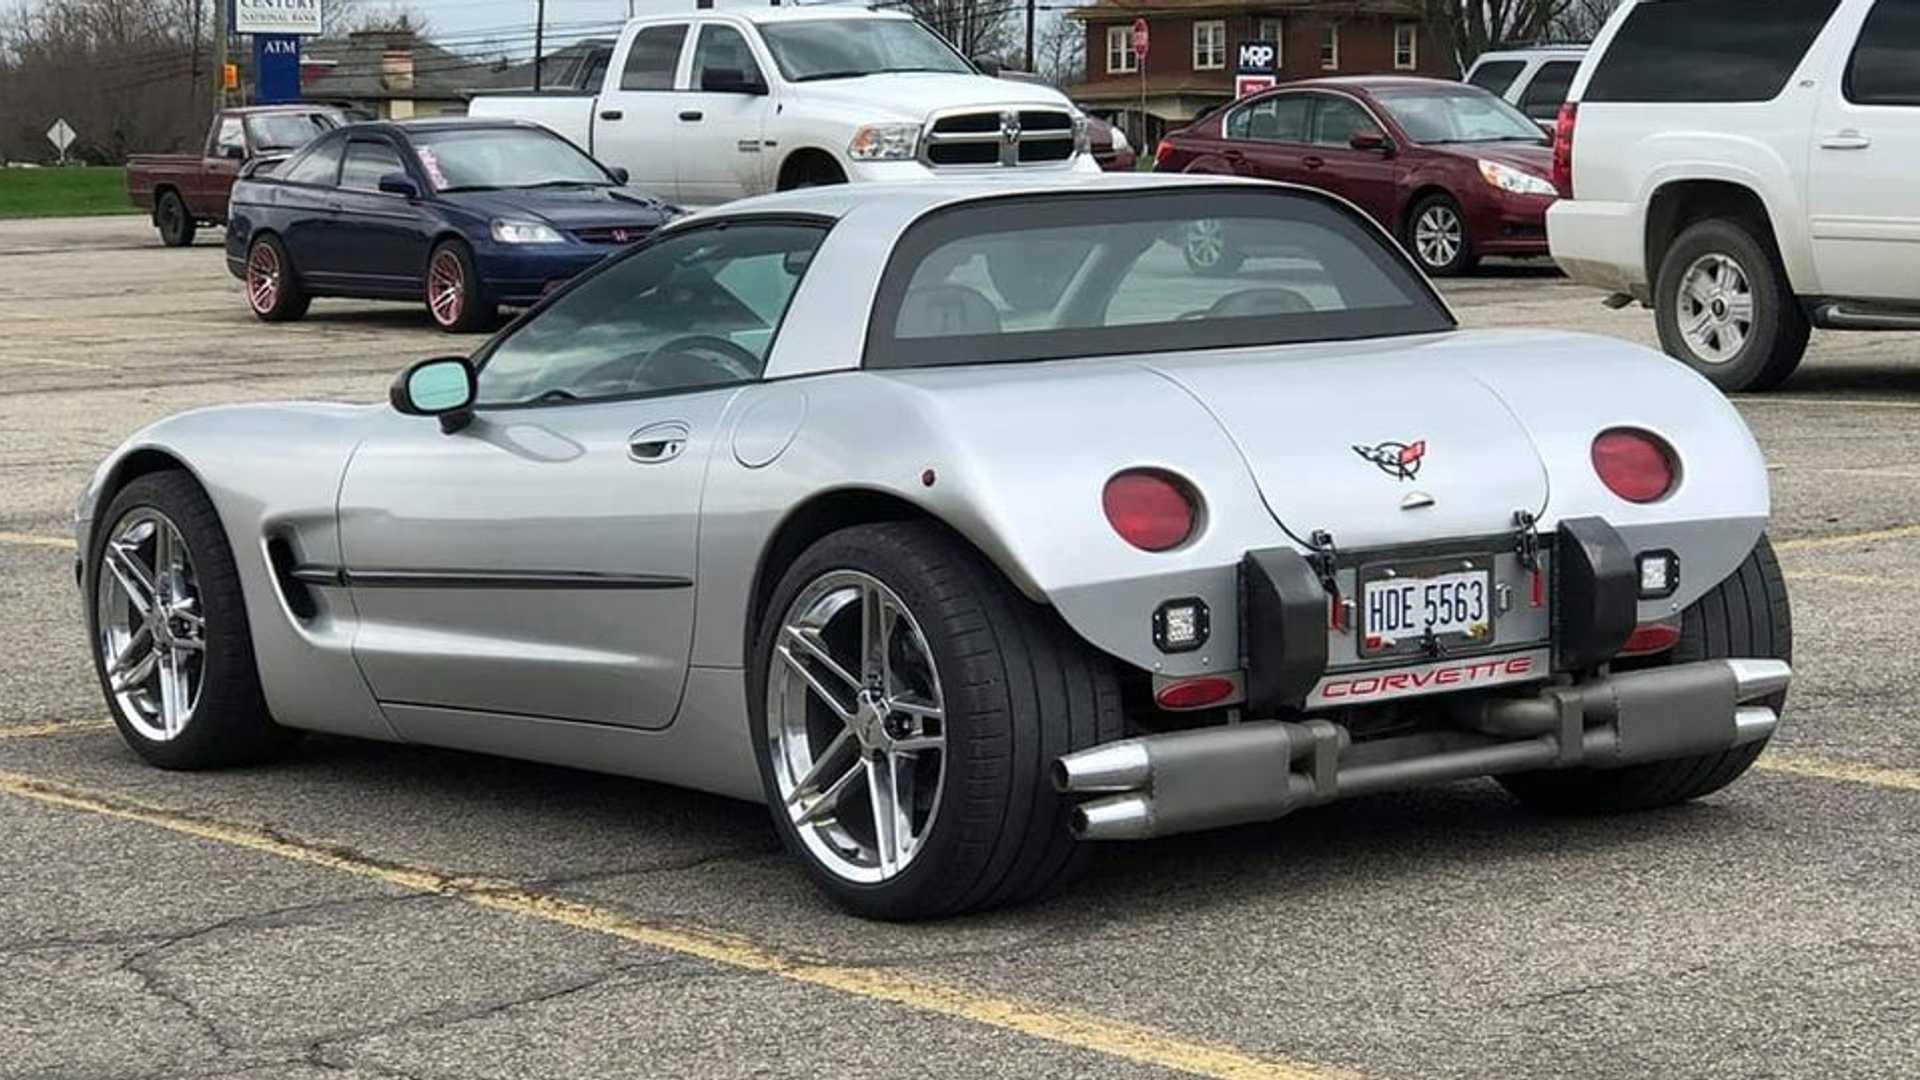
(1060, 51)
(1471, 27)
(1583, 19)
(975, 27)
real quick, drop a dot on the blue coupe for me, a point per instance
(465, 215)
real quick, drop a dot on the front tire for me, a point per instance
(455, 298)
(1437, 237)
(906, 704)
(171, 218)
(1210, 250)
(171, 643)
(1725, 309)
(1747, 615)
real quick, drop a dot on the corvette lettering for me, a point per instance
(1376, 686)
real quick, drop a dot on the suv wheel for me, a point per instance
(1724, 308)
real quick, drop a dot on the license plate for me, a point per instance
(1401, 611)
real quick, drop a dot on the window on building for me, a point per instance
(1209, 45)
(1406, 47)
(1330, 47)
(1120, 58)
(1271, 28)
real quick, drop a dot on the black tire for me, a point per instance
(1747, 615)
(1020, 690)
(1777, 339)
(1210, 250)
(1436, 261)
(471, 311)
(230, 723)
(286, 300)
(171, 218)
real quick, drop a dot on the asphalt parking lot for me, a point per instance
(366, 910)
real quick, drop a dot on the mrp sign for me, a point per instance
(274, 16)
(1257, 67)
(276, 68)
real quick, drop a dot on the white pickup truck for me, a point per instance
(714, 105)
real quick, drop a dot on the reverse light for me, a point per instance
(1659, 574)
(885, 142)
(1149, 509)
(508, 231)
(1635, 465)
(1563, 149)
(1182, 625)
(1512, 180)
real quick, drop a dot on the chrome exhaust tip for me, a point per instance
(1752, 723)
(1115, 767)
(1754, 679)
(1122, 817)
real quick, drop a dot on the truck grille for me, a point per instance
(1003, 138)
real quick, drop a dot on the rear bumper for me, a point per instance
(1602, 244)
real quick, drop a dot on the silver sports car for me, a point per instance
(964, 523)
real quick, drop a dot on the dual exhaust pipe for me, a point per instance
(1236, 774)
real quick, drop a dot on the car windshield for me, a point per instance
(1046, 277)
(481, 159)
(849, 48)
(1458, 114)
(287, 130)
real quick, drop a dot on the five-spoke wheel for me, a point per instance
(149, 624)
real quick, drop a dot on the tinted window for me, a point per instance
(1497, 75)
(722, 47)
(1708, 50)
(1140, 273)
(1336, 119)
(319, 165)
(1277, 119)
(1886, 64)
(367, 162)
(654, 58)
(695, 309)
(1548, 90)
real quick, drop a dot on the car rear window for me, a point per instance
(1885, 69)
(1548, 90)
(1497, 75)
(1708, 50)
(1047, 277)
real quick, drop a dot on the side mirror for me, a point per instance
(619, 173)
(1371, 140)
(442, 387)
(232, 152)
(723, 80)
(399, 183)
(987, 65)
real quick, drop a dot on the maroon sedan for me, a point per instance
(1452, 170)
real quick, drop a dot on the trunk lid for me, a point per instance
(1379, 446)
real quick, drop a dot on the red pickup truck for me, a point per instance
(185, 191)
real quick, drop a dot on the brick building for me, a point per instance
(1190, 61)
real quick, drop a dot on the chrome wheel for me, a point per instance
(263, 278)
(1206, 243)
(151, 634)
(446, 288)
(1715, 306)
(856, 726)
(1439, 236)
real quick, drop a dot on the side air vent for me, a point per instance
(298, 596)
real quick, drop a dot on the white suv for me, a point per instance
(1534, 79)
(1749, 172)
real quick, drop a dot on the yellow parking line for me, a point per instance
(32, 731)
(1066, 1027)
(1828, 543)
(1846, 772)
(36, 540)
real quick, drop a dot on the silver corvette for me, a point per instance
(963, 523)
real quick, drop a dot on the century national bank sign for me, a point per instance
(276, 16)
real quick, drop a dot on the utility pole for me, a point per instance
(193, 79)
(1030, 68)
(220, 53)
(539, 41)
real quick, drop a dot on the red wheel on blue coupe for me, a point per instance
(273, 292)
(453, 291)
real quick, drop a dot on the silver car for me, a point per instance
(792, 503)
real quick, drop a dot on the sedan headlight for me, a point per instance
(1508, 178)
(885, 142)
(508, 231)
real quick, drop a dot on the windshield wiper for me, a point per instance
(467, 187)
(562, 183)
(848, 74)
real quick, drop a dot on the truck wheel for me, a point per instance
(455, 298)
(171, 642)
(171, 217)
(1437, 236)
(1746, 615)
(1725, 308)
(906, 706)
(273, 290)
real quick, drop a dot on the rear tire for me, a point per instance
(204, 643)
(1714, 272)
(1015, 687)
(273, 287)
(456, 300)
(171, 218)
(1747, 615)
(1210, 250)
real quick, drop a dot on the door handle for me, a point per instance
(1235, 155)
(611, 114)
(1313, 162)
(1846, 140)
(692, 115)
(657, 443)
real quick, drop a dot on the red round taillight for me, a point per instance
(1635, 465)
(1150, 510)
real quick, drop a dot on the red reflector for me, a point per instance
(1635, 465)
(1148, 509)
(1195, 693)
(1650, 638)
(1563, 148)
